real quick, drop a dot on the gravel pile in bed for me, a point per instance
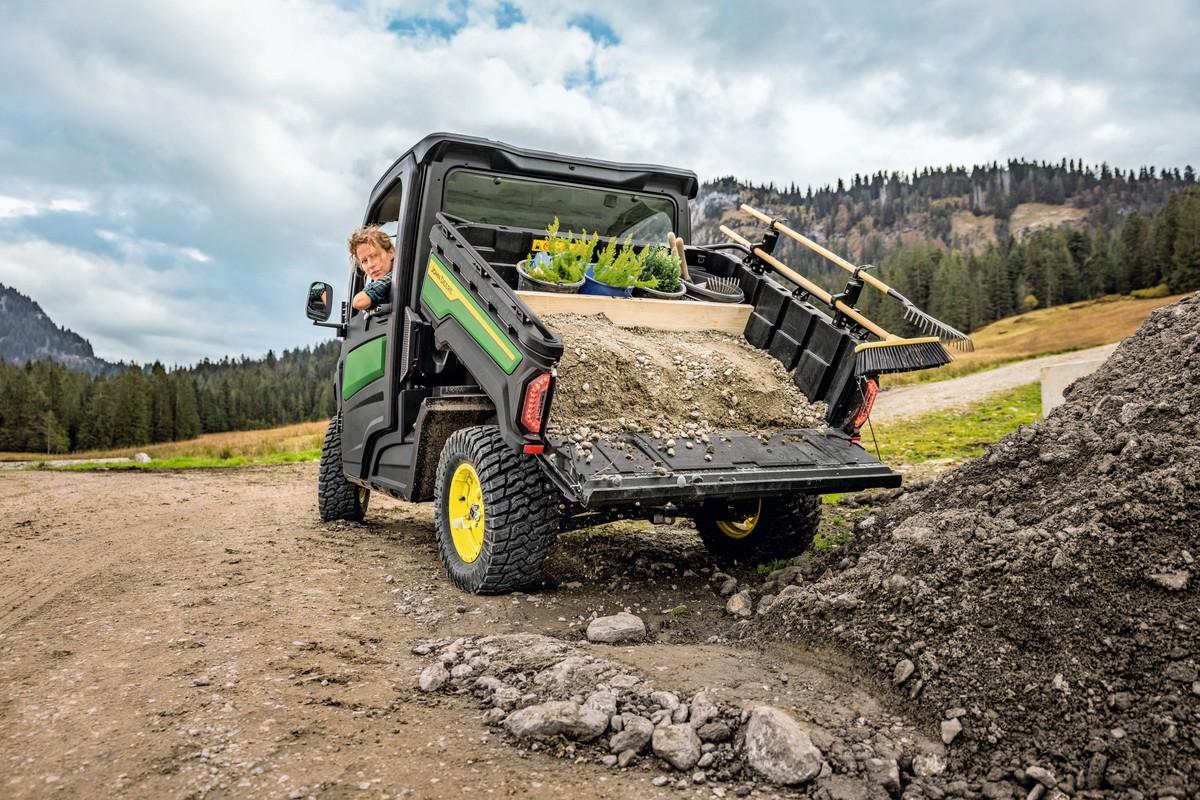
(669, 384)
(1039, 606)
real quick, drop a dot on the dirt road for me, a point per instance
(922, 398)
(201, 634)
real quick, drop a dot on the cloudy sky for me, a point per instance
(172, 175)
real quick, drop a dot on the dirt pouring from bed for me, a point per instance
(1038, 607)
(668, 384)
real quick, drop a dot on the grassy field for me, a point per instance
(1046, 331)
(288, 444)
(957, 434)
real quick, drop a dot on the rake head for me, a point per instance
(723, 285)
(935, 327)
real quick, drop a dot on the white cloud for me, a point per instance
(242, 139)
(16, 207)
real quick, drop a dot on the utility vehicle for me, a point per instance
(444, 393)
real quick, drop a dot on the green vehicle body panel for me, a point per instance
(445, 296)
(363, 365)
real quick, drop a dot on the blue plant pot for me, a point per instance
(593, 286)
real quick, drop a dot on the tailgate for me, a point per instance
(639, 468)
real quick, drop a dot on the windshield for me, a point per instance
(524, 203)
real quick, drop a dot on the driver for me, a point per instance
(372, 250)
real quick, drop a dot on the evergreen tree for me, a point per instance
(1185, 272)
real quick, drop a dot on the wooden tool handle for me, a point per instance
(807, 285)
(816, 248)
(681, 251)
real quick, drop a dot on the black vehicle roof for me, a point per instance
(436, 146)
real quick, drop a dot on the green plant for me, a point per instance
(568, 256)
(1152, 293)
(662, 265)
(623, 270)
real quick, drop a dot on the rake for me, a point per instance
(931, 326)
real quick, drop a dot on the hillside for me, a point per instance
(974, 246)
(27, 334)
(968, 210)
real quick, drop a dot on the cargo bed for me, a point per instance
(636, 468)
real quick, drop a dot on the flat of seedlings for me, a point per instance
(645, 312)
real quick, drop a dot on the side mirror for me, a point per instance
(320, 302)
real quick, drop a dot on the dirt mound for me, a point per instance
(669, 383)
(1043, 598)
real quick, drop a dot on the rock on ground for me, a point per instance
(634, 735)
(432, 677)
(622, 627)
(557, 718)
(678, 745)
(779, 749)
(740, 604)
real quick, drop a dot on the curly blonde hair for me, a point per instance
(369, 234)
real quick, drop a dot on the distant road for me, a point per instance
(921, 398)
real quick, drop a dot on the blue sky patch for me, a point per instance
(600, 31)
(508, 15)
(437, 27)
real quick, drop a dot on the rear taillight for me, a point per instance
(870, 390)
(535, 402)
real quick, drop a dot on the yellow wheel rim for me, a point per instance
(740, 529)
(465, 509)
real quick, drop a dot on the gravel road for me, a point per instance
(202, 634)
(922, 398)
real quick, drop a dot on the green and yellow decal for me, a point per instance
(363, 365)
(445, 296)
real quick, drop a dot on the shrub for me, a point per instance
(1149, 294)
(566, 257)
(662, 265)
(624, 269)
(1030, 302)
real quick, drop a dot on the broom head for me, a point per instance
(900, 355)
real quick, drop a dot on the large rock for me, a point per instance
(740, 605)
(603, 701)
(779, 749)
(702, 710)
(557, 718)
(678, 745)
(634, 735)
(885, 772)
(623, 627)
(432, 677)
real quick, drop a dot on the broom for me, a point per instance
(925, 322)
(889, 354)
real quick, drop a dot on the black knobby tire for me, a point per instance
(785, 528)
(338, 498)
(520, 507)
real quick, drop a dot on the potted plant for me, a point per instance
(663, 266)
(560, 268)
(617, 273)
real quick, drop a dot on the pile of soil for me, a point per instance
(669, 384)
(1040, 603)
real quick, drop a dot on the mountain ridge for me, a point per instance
(28, 334)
